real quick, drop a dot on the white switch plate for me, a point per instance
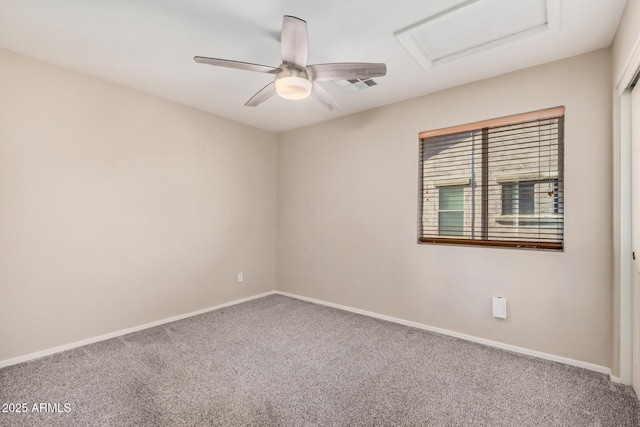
(240, 277)
(500, 307)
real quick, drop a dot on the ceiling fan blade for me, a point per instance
(293, 41)
(322, 97)
(262, 95)
(346, 71)
(236, 64)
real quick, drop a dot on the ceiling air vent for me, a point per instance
(355, 85)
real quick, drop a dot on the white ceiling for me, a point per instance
(149, 45)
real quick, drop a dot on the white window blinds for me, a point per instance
(497, 182)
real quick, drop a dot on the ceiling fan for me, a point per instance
(294, 79)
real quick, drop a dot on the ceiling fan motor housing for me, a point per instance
(293, 82)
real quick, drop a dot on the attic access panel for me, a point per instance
(474, 26)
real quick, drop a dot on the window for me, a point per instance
(451, 211)
(518, 199)
(498, 183)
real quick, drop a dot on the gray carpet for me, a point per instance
(277, 361)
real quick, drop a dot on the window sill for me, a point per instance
(527, 177)
(537, 219)
(557, 246)
(453, 182)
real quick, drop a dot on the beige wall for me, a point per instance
(347, 217)
(627, 36)
(118, 208)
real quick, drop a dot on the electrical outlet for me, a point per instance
(500, 307)
(240, 277)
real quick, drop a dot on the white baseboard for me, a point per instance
(616, 380)
(58, 349)
(515, 349)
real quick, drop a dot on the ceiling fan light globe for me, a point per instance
(293, 87)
